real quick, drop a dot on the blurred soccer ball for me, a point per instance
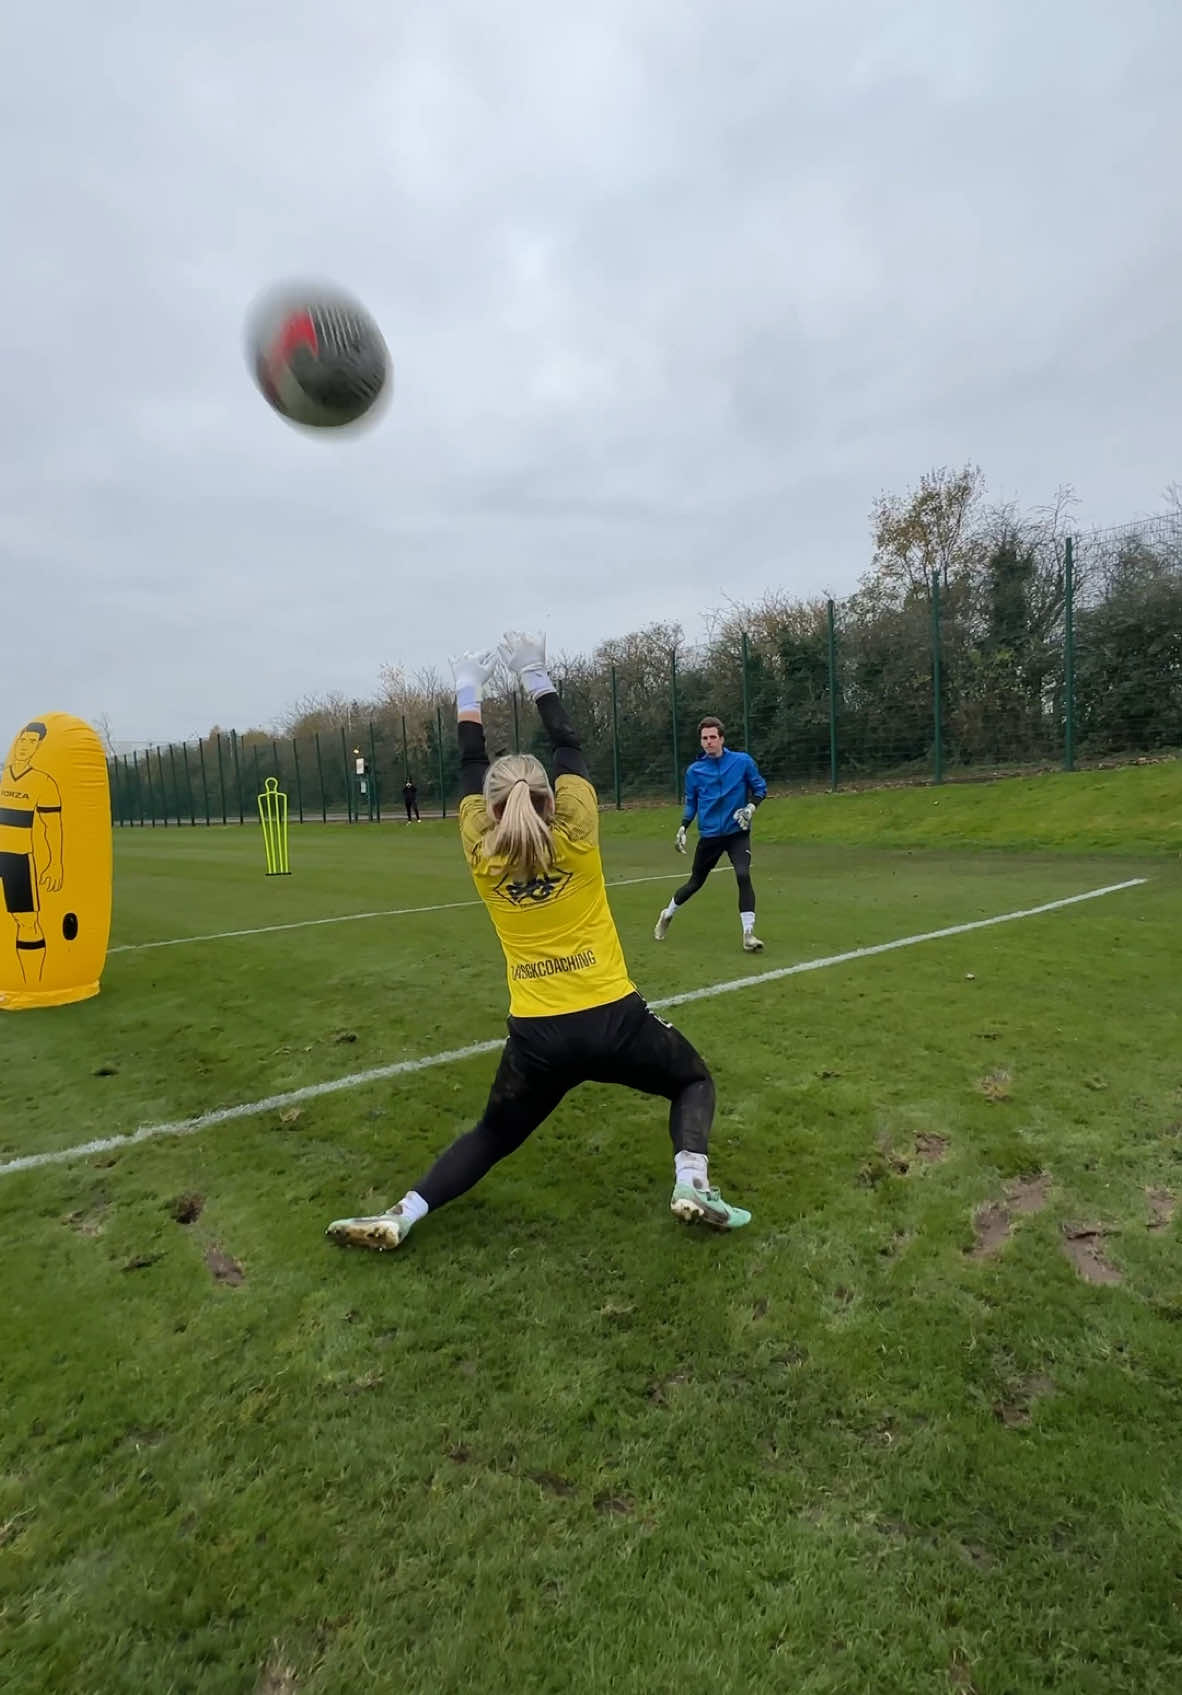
(318, 357)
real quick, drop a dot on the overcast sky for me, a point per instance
(673, 289)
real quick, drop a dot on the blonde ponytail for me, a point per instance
(520, 804)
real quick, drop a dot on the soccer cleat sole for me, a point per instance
(688, 1213)
(364, 1233)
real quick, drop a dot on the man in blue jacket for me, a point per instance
(722, 789)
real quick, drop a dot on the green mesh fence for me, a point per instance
(1059, 658)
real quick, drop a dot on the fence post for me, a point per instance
(320, 772)
(439, 753)
(189, 784)
(676, 738)
(221, 778)
(258, 781)
(204, 781)
(1069, 656)
(237, 773)
(616, 739)
(176, 787)
(405, 753)
(746, 699)
(937, 722)
(348, 776)
(832, 662)
(295, 759)
(516, 724)
(375, 799)
(151, 790)
(163, 785)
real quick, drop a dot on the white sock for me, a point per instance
(413, 1206)
(748, 922)
(692, 1169)
(670, 909)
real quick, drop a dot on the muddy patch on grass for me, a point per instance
(997, 1085)
(884, 1163)
(141, 1262)
(1013, 1410)
(1162, 1206)
(1084, 1246)
(1028, 1194)
(87, 1221)
(658, 1390)
(992, 1222)
(277, 1679)
(186, 1208)
(553, 1483)
(930, 1148)
(991, 1226)
(615, 1506)
(223, 1268)
(960, 1677)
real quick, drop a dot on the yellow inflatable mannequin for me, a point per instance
(55, 864)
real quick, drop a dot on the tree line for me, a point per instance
(1003, 608)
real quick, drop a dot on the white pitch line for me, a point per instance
(345, 918)
(358, 1079)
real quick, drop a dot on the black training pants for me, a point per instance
(707, 854)
(544, 1058)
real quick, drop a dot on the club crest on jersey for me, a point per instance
(532, 891)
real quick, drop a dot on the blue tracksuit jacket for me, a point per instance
(716, 788)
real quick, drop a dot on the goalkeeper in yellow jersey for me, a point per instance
(574, 1014)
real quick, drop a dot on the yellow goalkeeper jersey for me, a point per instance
(562, 952)
(20, 799)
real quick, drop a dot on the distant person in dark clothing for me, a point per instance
(410, 796)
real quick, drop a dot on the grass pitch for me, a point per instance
(915, 1430)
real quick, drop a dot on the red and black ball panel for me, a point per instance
(320, 362)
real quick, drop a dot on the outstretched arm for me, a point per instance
(471, 671)
(526, 655)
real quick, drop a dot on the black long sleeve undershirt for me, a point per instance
(564, 738)
(473, 757)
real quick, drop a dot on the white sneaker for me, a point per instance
(662, 929)
(384, 1230)
(751, 942)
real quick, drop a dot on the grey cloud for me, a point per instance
(671, 292)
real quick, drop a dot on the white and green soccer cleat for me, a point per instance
(706, 1206)
(382, 1231)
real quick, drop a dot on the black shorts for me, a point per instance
(18, 883)
(710, 850)
(623, 1042)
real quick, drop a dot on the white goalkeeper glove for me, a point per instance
(679, 839)
(526, 657)
(471, 671)
(744, 816)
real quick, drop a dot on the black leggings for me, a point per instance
(707, 854)
(546, 1057)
